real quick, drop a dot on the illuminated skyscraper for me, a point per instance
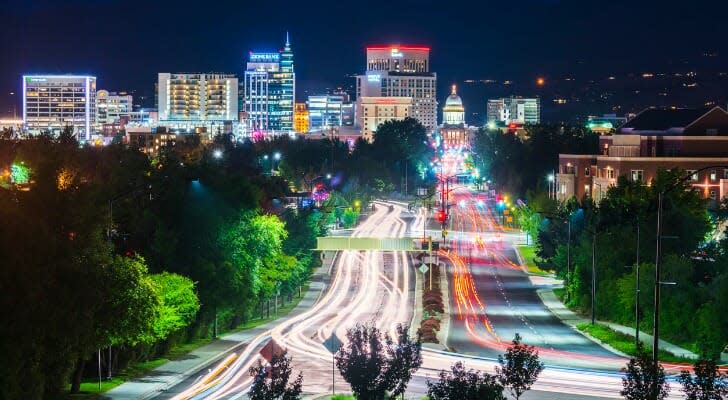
(54, 102)
(197, 98)
(287, 80)
(402, 71)
(269, 91)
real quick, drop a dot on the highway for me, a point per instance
(377, 287)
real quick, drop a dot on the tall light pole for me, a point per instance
(276, 157)
(594, 276)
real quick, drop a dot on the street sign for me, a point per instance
(270, 349)
(424, 268)
(332, 343)
(444, 233)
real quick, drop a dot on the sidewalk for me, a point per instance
(174, 372)
(572, 319)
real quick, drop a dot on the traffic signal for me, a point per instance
(441, 216)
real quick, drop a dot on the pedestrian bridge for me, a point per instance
(341, 243)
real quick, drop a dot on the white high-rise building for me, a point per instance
(111, 106)
(53, 102)
(197, 100)
(517, 110)
(402, 71)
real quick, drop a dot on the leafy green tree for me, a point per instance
(462, 384)
(644, 380)
(373, 364)
(707, 384)
(272, 381)
(519, 367)
(179, 303)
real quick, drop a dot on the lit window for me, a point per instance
(693, 174)
(713, 175)
(638, 175)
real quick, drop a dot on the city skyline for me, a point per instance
(516, 43)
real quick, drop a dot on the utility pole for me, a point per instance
(568, 257)
(594, 276)
(656, 326)
(637, 290)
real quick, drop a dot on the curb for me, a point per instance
(445, 292)
(570, 323)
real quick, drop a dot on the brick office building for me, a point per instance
(655, 139)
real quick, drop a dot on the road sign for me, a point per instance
(332, 343)
(424, 268)
(444, 233)
(270, 349)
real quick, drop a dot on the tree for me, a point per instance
(179, 303)
(372, 363)
(404, 359)
(519, 367)
(708, 384)
(461, 384)
(644, 380)
(271, 381)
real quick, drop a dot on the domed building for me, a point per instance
(454, 132)
(454, 112)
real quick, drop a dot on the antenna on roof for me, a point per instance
(288, 42)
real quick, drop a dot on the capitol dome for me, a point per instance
(453, 113)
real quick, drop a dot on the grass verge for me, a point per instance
(90, 388)
(528, 254)
(624, 343)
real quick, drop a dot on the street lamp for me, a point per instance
(217, 154)
(552, 192)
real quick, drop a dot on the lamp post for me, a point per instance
(276, 157)
(552, 185)
(594, 276)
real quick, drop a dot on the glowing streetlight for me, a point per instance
(217, 154)
(277, 156)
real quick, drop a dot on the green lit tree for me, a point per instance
(519, 367)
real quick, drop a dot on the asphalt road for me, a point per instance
(506, 299)
(376, 287)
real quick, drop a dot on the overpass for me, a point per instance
(341, 243)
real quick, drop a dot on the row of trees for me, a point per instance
(500, 156)
(377, 367)
(645, 380)
(396, 160)
(611, 237)
(109, 248)
(105, 248)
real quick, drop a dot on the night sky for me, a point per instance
(126, 42)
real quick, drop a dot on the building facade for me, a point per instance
(514, 110)
(269, 91)
(53, 102)
(454, 132)
(300, 118)
(193, 99)
(401, 71)
(326, 111)
(655, 139)
(112, 110)
(374, 111)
